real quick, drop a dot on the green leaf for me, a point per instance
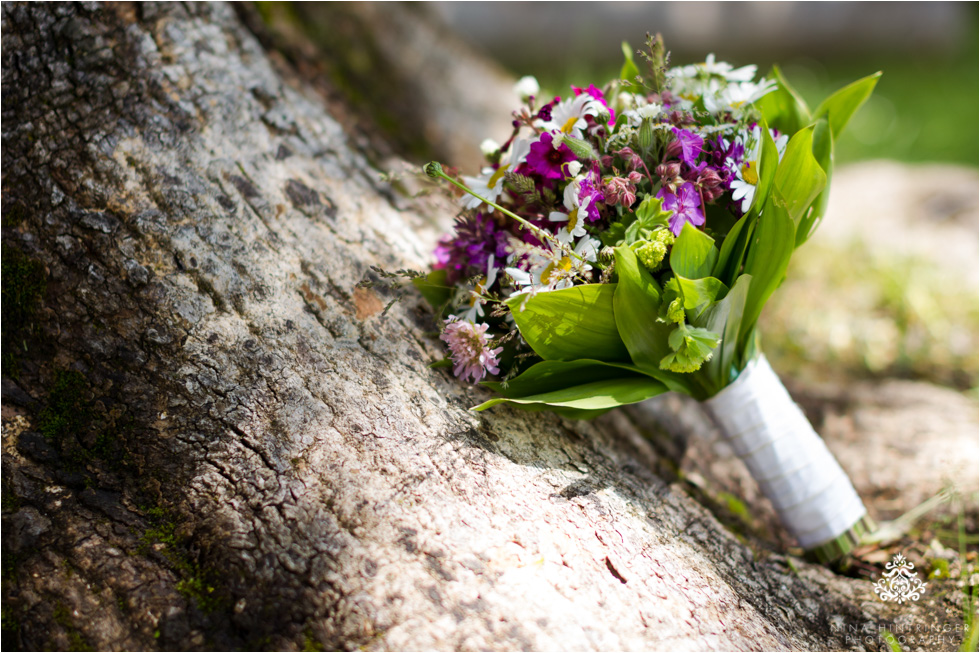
(699, 293)
(549, 376)
(571, 323)
(725, 317)
(840, 106)
(729, 263)
(768, 167)
(823, 152)
(692, 346)
(799, 178)
(434, 287)
(783, 108)
(637, 309)
(629, 71)
(649, 216)
(598, 395)
(694, 253)
(769, 252)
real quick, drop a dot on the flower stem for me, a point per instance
(434, 170)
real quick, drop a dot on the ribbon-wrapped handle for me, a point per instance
(811, 492)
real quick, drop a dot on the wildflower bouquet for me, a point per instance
(623, 242)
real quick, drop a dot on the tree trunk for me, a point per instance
(214, 440)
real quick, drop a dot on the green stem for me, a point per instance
(435, 171)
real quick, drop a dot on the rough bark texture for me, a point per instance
(214, 441)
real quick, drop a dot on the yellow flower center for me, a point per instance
(750, 174)
(497, 175)
(554, 271)
(572, 220)
(569, 125)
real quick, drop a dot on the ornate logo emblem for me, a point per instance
(899, 582)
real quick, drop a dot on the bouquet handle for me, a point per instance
(812, 494)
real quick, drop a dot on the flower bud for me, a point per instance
(526, 87)
(674, 149)
(645, 137)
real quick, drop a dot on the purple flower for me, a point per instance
(547, 161)
(465, 253)
(589, 196)
(686, 205)
(469, 347)
(687, 146)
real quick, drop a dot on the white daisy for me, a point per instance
(554, 268)
(476, 299)
(710, 67)
(575, 218)
(490, 183)
(747, 175)
(568, 116)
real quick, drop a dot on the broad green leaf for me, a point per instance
(840, 106)
(571, 323)
(729, 260)
(799, 178)
(699, 293)
(598, 395)
(629, 71)
(693, 254)
(768, 166)
(725, 317)
(769, 252)
(823, 152)
(548, 376)
(637, 309)
(783, 108)
(434, 287)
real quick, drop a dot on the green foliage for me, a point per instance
(799, 177)
(694, 253)
(692, 346)
(571, 323)
(23, 287)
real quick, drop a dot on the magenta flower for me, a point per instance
(589, 196)
(687, 146)
(547, 161)
(686, 205)
(469, 347)
(598, 95)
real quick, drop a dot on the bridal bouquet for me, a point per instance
(623, 242)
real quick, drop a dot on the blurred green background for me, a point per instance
(924, 109)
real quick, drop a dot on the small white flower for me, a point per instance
(489, 146)
(710, 67)
(554, 268)
(476, 300)
(526, 87)
(575, 218)
(634, 117)
(747, 174)
(733, 97)
(490, 183)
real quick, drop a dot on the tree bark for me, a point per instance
(214, 440)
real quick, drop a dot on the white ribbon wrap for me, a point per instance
(793, 467)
